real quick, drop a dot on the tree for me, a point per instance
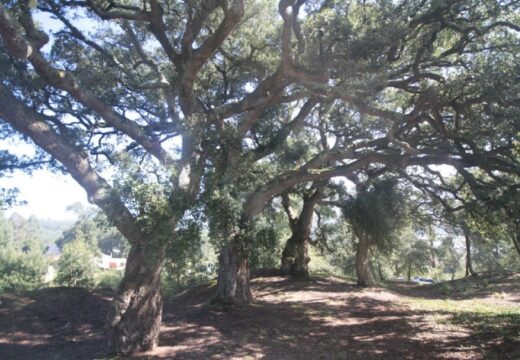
(93, 229)
(76, 266)
(376, 215)
(295, 258)
(22, 264)
(180, 99)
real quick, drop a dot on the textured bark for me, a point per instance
(233, 277)
(516, 238)
(380, 271)
(295, 258)
(364, 274)
(135, 316)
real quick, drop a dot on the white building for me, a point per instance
(109, 262)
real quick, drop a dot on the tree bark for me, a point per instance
(469, 264)
(364, 274)
(135, 316)
(233, 277)
(380, 271)
(295, 258)
(516, 238)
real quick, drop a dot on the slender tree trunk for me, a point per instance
(409, 275)
(233, 276)
(364, 274)
(380, 271)
(135, 316)
(469, 265)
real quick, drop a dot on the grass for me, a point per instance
(482, 318)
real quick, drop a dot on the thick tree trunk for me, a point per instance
(233, 277)
(288, 256)
(469, 265)
(516, 238)
(135, 316)
(295, 258)
(364, 274)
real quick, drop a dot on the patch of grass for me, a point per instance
(483, 318)
(108, 279)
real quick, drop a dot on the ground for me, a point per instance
(325, 318)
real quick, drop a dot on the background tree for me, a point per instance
(295, 258)
(376, 215)
(76, 265)
(22, 264)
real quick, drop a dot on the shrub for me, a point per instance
(76, 266)
(21, 270)
(108, 279)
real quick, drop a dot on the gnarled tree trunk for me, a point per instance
(364, 274)
(135, 316)
(516, 238)
(233, 276)
(295, 256)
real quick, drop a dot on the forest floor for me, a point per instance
(325, 318)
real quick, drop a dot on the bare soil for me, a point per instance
(325, 318)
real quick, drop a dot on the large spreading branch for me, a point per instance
(30, 123)
(23, 49)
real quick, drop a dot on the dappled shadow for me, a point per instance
(322, 318)
(53, 323)
(318, 319)
(495, 286)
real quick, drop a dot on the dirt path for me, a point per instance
(322, 319)
(326, 319)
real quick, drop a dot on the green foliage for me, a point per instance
(190, 259)
(378, 212)
(21, 270)
(84, 230)
(108, 278)
(93, 229)
(76, 266)
(26, 233)
(22, 263)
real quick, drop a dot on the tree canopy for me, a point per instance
(165, 110)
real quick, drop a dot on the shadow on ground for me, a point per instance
(53, 323)
(325, 318)
(321, 319)
(485, 286)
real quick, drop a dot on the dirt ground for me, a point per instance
(325, 318)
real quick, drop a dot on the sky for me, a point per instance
(47, 194)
